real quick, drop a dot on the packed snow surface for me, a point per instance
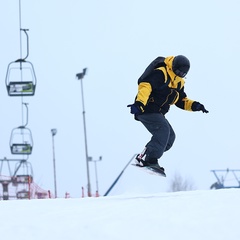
(190, 215)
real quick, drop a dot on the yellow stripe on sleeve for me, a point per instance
(187, 104)
(144, 91)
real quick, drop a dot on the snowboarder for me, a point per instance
(159, 87)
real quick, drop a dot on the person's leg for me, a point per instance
(162, 135)
(171, 138)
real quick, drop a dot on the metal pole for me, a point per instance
(96, 175)
(80, 77)
(95, 165)
(54, 132)
(118, 177)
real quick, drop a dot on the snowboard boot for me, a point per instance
(153, 163)
(143, 160)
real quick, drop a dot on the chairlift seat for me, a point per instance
(22, 179)
(21, 148)
(23, 194)
(21, 88)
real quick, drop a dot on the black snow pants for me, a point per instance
(162, 132)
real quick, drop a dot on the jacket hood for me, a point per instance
(168, 61)
(174, 78)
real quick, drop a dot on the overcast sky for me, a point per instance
(116, 40)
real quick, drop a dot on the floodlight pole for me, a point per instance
(80, 77)
(54, 132)
(90, 159)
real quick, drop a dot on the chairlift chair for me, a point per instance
(22, 179)
(23, 173)
(20, 78)
(23, 194)
(21, 141)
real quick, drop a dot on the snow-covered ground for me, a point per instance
(192, 215)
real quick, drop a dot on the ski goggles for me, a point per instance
(179, 73)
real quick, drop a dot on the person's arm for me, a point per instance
(187, 104)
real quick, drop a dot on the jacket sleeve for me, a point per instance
(184, 102)
(145, 88)
(144, 91)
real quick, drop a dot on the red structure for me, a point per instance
(21, 187)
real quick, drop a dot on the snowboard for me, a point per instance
(150, 170)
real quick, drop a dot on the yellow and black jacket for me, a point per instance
(162, 88)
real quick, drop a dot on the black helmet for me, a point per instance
(180, 66)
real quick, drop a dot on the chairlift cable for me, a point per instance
(20, 38)
(20, 27)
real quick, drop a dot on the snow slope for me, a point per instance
(189, 215)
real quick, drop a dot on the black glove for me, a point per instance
(136, 108)
(199, 107)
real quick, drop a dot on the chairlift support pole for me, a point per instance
(9, 169)
(221, 182)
